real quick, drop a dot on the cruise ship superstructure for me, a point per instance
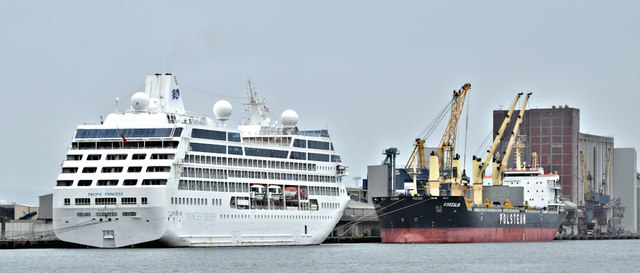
(157, 174)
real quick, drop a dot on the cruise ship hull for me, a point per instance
(446, 219)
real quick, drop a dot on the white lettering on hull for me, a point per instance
(513, 219)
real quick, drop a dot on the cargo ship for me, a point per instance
(444, 206)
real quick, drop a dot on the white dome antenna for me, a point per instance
(289, 119)
(222, 110)
(140, 102)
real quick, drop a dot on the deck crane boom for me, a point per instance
(447, 144)
(498, 173)
(447, 147)
(480, 166)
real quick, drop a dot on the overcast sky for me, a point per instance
(375, 73)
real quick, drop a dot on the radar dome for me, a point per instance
(222, 110)
(140, 101)
(289, 118)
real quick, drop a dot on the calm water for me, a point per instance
(557, 256)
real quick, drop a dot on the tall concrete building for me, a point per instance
(626, 187)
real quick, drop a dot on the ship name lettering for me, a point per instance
(451, 204)
(94, 194)
(512, 219)
(200, 217)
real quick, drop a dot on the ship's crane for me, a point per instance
(498, 173)
(586, 179)
(480, 166)
(446, 148)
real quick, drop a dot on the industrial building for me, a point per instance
(551, 136)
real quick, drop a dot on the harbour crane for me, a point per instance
(586, 179)
(606, 174)
(480, 166)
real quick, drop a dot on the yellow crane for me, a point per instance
(498, 173)
(586, 179)
(480, 166)
(446, 148)
(606, 174)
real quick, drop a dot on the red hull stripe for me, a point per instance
(467, 235)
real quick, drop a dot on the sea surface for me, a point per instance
(556, 256)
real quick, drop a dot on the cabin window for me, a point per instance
(111, 170)
(139, 156)
(67, 201)
(143, 200)
(154, 182)
(83, 201)
(117, 157)
(208, 134)
(94, 157)
(74, 157)
(156, 169)
(208, 148)
(130, 182)
(105, 201)
(162, 156)
(134, 169)
(128, 201)
(107, 182)
(84, 183)
(64, 183)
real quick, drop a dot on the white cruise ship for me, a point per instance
(158, 175)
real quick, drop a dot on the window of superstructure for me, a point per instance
(208, 148)
(208, 134)
(128, 201)
(300, 143)
(234, 137)
(154, 182)
(335, 158)
(235, 150)
(74, 157)
(134, 169)
(94, 157)
(87, 145)
(89, 169)
(177, 132)
(265, 152)
(319, 157)
(67, 201)
(162, 156)
(155, 169)
(83, 201)
(116, 156)
(69, 170)
(84, 183)
(130, 182)
(111, 169)
(105, 201)
(319, 145)
(129, 133)
(64, 183)
(138, 156)
(107, 182)
(143, 200)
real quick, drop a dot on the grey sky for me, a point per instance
(374, 72)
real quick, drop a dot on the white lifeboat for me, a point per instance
(257, 192)
(275, 192)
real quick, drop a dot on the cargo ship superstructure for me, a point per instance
(156, 174)
(445, 206)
